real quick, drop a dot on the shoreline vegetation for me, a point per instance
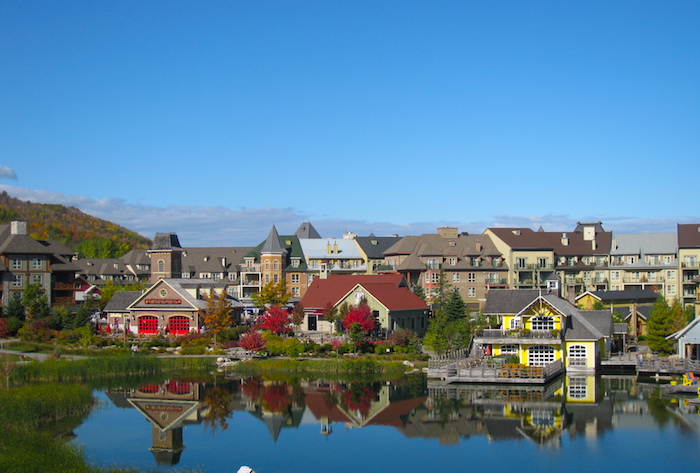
(37, 396)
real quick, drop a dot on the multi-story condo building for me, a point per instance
(689, 258)
(471, 263)
(24, 261)
(578, 259)
(645, 261)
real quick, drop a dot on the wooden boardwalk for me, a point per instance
(476, 370)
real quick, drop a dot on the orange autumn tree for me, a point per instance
(217, 315)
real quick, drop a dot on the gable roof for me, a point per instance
(508, 301)
(121, 300)
(388, 289)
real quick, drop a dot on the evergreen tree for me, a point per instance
(61, 317)
(440, 293)
(419, 291)
(13, 309)
(454, 308)
(663, 321)
(81, 317)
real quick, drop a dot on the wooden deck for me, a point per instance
(485, 371)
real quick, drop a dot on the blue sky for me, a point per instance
(217, 119)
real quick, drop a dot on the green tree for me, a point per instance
(440, 293)
(62, 317)
(598, 305)
(217, 316)
(663, 321)
(419, 291)
(14, 308)
(81, 318)
(448, 333)
(271, 294)
(36, 304)
(454, 307)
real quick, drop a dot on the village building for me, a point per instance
(25, 260)
(392, 303)
(168, 307)
(539, 329)
(472, 264)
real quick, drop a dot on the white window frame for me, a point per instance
(578, 355)
(455, 277)
(540, 355)
(471, 292)
(471, 277)
(295, 278)
(542, 322)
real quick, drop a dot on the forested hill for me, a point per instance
(90, 236)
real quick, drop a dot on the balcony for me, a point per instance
(690, 264)
(496, 282)
(57, 301)
(63, 286)
(521, 335)
(540, 267)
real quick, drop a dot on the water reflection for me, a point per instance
(570, 407)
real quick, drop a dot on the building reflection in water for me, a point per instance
(577, 406)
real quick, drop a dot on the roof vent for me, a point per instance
(516, 232)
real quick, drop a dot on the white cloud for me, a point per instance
(7, 173)
(220, 226)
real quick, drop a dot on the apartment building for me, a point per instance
(24, 261)
(689, 267)
(471, 263)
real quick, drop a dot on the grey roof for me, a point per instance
(634, 295)
(24, 244)
(121, 300)
(644, 243)
(306, 230)
(374, 247)
(165, 241)
(509, 301)
(272, 245)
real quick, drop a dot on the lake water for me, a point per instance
(575, 424)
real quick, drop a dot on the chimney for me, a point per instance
(479, 247)
(18, 227)
(564, 239)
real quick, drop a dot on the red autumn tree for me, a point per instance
(276, 320)
(252, 341)
(361, 317)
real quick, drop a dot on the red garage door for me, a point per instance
(178, 325)
(148, 324)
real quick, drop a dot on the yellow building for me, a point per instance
(536, 329)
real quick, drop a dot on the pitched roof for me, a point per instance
(644, 243)
(121, 300)
(374, 247)
(388, 289)
(689, 235)
(272, 244)
(306, 230)
(165, 241)
(508, 301)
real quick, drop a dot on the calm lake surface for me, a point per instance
(575, 424)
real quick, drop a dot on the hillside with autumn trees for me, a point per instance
(89, 236)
